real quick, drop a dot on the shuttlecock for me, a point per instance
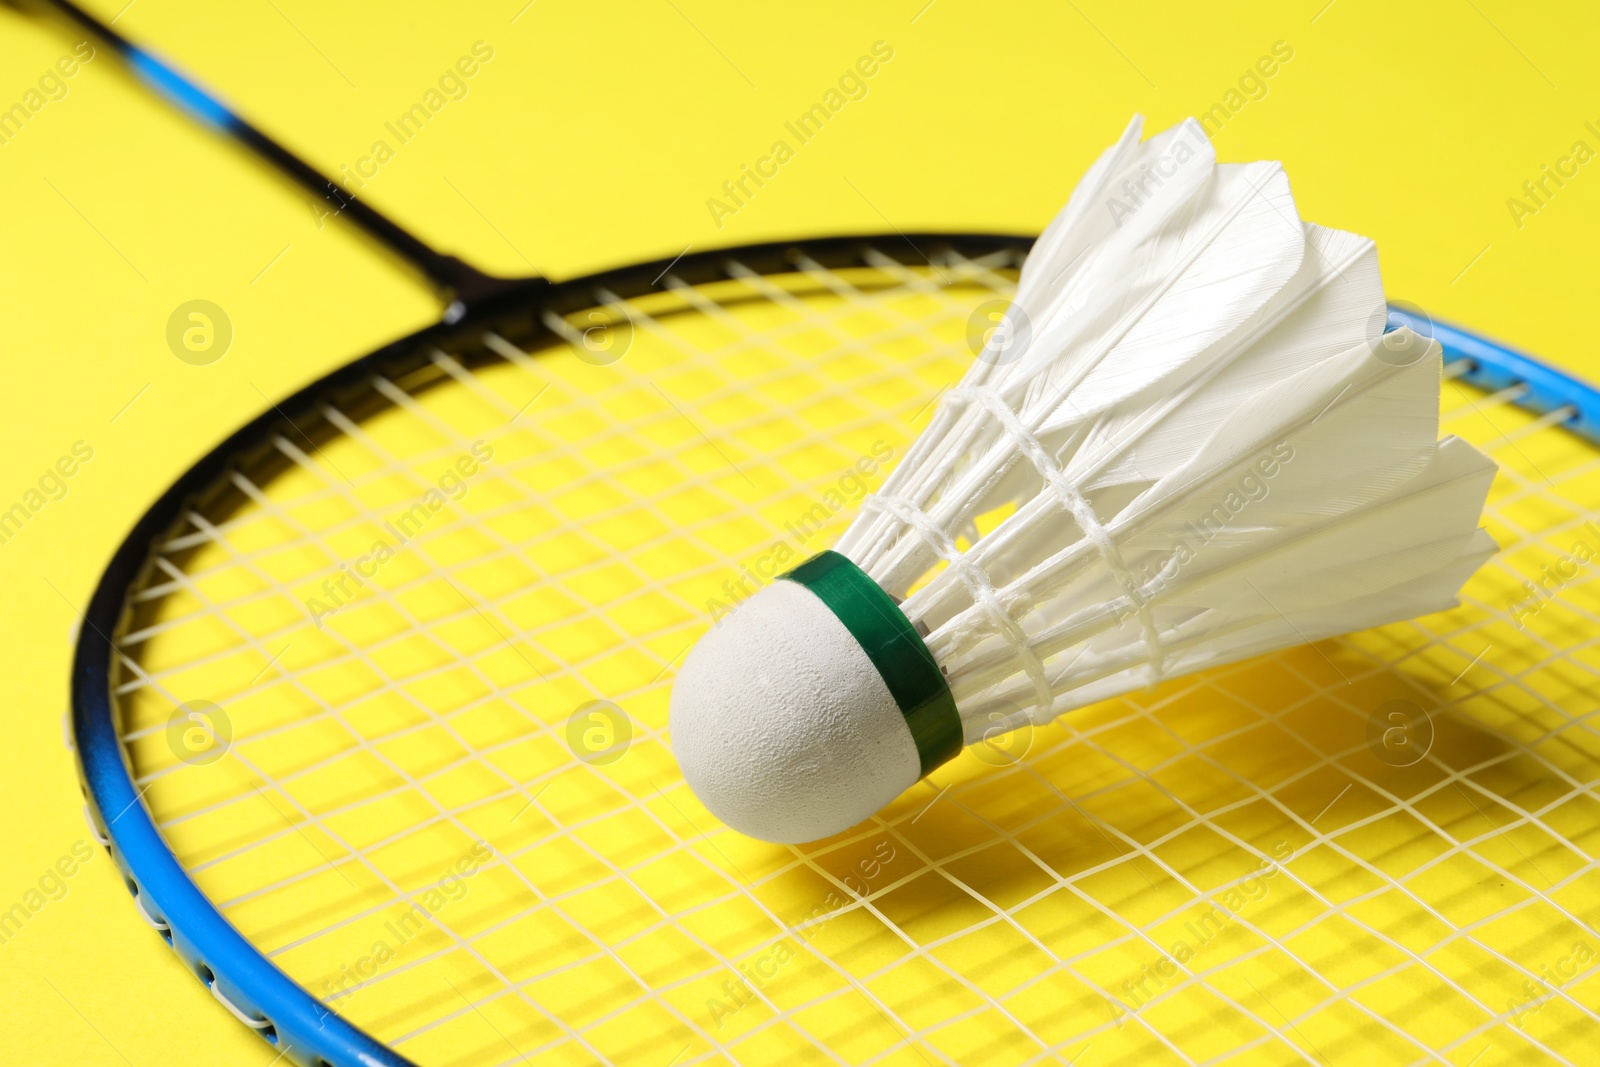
(1189, 442)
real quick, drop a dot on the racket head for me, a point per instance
(709, 420)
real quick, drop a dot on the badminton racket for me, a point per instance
(370, 711)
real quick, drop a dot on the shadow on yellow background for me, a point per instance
(588, 137)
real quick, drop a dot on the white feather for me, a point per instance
(1204, 382)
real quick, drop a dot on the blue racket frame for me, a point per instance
(306, 1031)
(245, 981)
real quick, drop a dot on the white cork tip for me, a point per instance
(783, 727)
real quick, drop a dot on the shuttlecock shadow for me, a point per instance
(1162, 792)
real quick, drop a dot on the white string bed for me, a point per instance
(1419, 913)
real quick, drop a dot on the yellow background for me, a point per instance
(595, 137)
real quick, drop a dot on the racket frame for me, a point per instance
(249, 985)
(245, 981)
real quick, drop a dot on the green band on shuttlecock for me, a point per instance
(895, 649)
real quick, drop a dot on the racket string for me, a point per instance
(735, 387)
(887, 374)
(362, 517)
(368, 748)
(305, 462)
(752, 898)
(725, 884)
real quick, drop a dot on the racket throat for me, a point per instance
(468, 290)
